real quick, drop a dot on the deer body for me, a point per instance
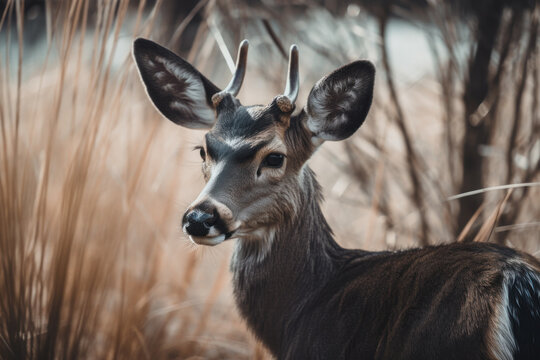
(308, 298)
(303, 295)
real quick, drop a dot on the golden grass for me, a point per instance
(91, 265)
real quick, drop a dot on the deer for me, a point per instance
(301, 294)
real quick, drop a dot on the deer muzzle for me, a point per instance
(207, 222)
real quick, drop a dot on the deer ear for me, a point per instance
(180, 92)
(338, 103)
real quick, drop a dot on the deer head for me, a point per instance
(253, 156)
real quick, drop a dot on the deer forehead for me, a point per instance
(268, 140)
(249, 127)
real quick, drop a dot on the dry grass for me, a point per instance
(93, 181)
(91, 262)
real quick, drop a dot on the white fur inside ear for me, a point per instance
(332, 107)
(317, 108)
(189, 90)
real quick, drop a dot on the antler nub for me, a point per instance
(238, 78)
(286, 101)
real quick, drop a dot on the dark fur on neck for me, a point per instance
(302, 256)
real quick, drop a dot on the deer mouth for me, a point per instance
(208, 240)
(211, 240)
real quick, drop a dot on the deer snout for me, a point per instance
(199, 223)
(207, 223)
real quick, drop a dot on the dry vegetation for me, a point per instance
(93, 181)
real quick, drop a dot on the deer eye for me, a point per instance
(201, 152)
(273, 160)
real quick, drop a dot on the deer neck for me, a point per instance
(274, 275)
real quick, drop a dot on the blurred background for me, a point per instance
(93, 181)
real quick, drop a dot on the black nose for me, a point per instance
(197, 222)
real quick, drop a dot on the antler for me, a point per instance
(286, 101)
(236, 82)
